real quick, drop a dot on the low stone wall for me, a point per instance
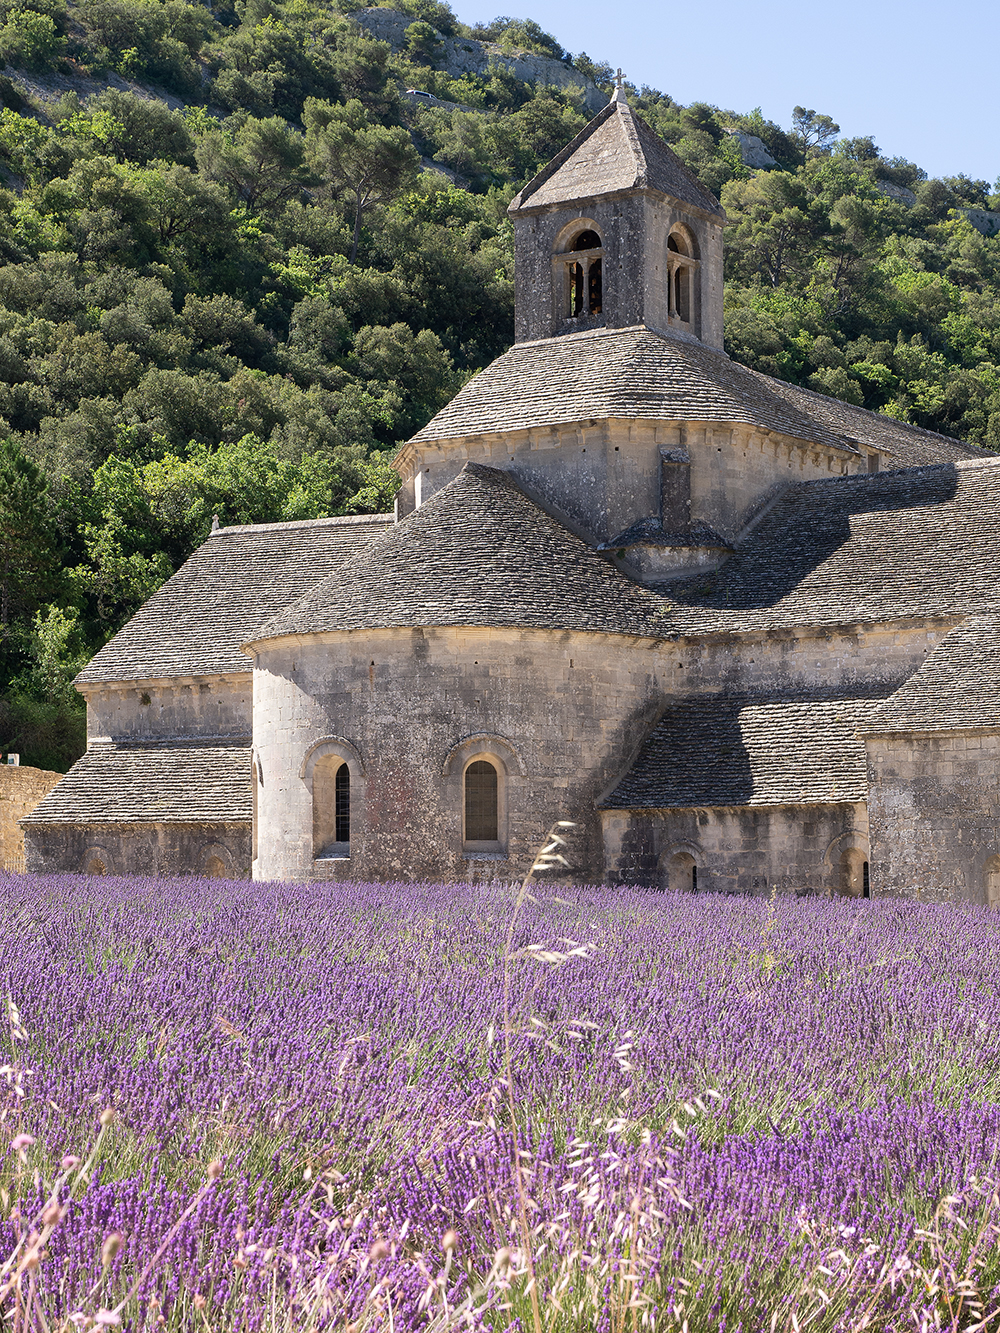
(818, 849)
(213, 850)
(21, 789)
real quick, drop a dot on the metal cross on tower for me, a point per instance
(619, 79)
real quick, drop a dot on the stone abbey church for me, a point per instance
(746, 636)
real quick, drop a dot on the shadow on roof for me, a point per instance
(821, 523)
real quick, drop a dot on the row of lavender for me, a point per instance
(735, 1113)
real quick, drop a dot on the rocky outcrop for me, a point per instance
(983, 219)
(753, 151)
(898, 192)
(464, 55)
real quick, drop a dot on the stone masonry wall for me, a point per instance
(752, 849)
(572, 707)
(21, 789)
(605, 476)
(141, 849)
(934, 806)
(145, 709)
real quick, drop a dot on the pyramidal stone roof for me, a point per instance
(617, 151)
(739, 750)
(956, 689)
(638, 373)
(478, 552)
(194, 625)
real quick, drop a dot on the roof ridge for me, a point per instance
(242, 741)
(634, 141)
(563, 156)
(335, 520)
(654, 165)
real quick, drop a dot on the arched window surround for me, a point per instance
(991, 881)
(578, 274)
(322, 831)
(501, 754)
(847, 859)
(678, 867)
(97, 856)
(215, 853)
(683, 266)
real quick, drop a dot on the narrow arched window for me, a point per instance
(331, 793)
(482, 792)
(680, 873)
(342, 801)
(866, 884)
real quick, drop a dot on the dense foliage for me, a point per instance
(723, 1113)
(237, 295)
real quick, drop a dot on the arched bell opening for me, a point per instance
(682, 273)
(579, 272)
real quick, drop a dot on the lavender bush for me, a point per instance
(727, 1113)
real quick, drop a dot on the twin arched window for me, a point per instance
(582, 275)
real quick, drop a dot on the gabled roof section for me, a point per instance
(194, 625)
(916, 543)
(617, 151)
(478, 552)
(956, 689)
(169, 783)
(637, 373)
(745, 750)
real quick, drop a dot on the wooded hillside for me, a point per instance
(240, 260)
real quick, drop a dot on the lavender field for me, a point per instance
(721, 1113)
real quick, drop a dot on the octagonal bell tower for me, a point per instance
(616, 232)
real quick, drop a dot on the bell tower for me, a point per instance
(615, 232)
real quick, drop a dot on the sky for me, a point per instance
(920, 78)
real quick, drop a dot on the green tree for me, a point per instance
(260, 161)
(363, 163)
(28, 550)
(812, 129)
(422, 43)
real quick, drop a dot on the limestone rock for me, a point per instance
(898, 192)
(753, 151)
(464, 55)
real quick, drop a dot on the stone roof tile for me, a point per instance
(744, 750)
(194, 625)
(639, 373)
(908, 446)
(478, 552)
(169, 783)
(957, 688)
(918, 542)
